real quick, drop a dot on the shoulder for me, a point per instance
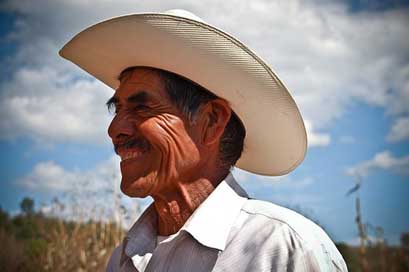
(278, 215)
(296, 234)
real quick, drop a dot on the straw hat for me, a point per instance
(180, 42)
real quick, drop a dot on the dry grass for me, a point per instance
(57, 245)
(80, 247)
(65, 239)
(12, 255)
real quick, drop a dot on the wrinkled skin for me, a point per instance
(163, 154)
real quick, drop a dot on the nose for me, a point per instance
(120, 128)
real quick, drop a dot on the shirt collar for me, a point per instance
(141, 238)
(210, 224)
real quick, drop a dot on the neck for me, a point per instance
(174, 208)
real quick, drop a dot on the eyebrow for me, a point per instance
(139, 98)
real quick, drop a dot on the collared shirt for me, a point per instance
(229, 232)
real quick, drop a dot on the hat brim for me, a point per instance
(275, 140)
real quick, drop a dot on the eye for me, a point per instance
(113, 109)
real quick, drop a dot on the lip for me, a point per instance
(130, 154)
(131, 148)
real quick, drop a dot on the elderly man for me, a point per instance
(191, 102)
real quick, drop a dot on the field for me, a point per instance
(32, 241)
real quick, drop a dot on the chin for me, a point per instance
(140, 187)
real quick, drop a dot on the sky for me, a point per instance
(346, 63)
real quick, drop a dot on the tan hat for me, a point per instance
(182, 43)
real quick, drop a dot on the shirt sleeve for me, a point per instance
(314, 252)
(306, 261)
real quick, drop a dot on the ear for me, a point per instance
(213, 120)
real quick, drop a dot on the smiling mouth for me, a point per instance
(128, 154)
(132, 149)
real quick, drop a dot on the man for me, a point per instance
(191, 102)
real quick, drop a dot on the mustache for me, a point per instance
(140, 143)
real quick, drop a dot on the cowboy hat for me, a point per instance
(182, 43)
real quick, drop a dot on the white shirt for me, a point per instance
(229, 232)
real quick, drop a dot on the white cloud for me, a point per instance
(316, 138)
(93, 193)
(326, 56)
(51, 177)
(48, 105)
(400, 130)
(381, 161)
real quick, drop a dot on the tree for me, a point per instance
(27, 206)
(4, 218)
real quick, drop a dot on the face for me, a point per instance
(157, 144)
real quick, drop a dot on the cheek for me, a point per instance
(168, 134)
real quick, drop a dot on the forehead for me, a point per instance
(140, 79)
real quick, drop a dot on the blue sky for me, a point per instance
(345, 62)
